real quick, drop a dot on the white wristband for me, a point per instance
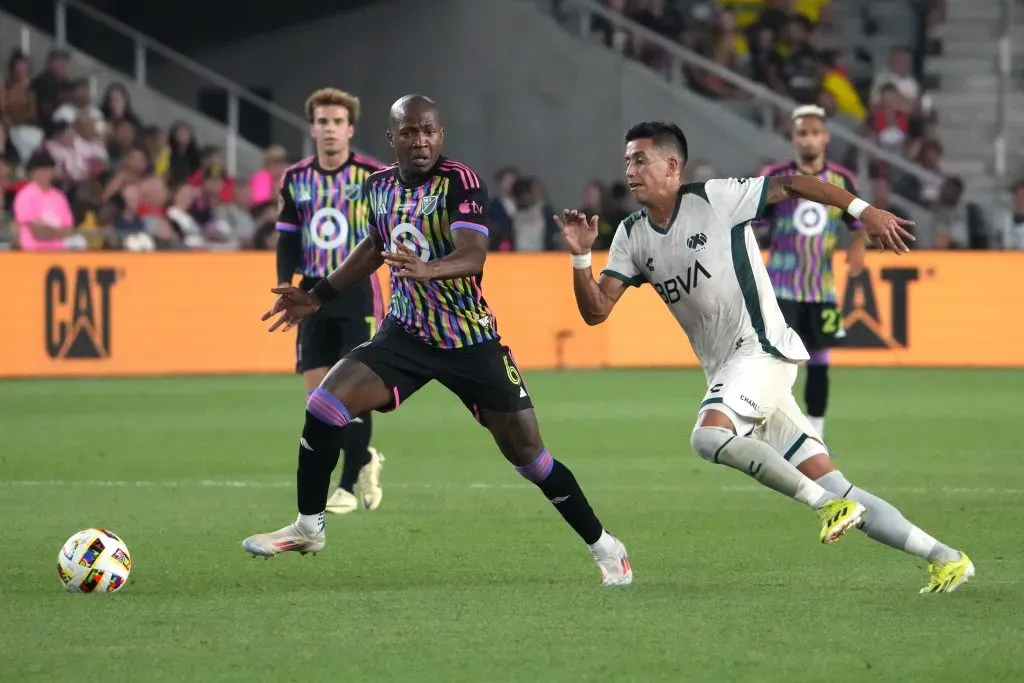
(581, 261)
(856, 207)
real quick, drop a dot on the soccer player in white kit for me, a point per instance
(693, 244)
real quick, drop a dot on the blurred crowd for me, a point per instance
(789, 46)
(79, 173)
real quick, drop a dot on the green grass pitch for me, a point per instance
(467, 574)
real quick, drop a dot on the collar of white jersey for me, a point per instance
(684, 189)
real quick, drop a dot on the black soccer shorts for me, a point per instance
(484, 376)
(341, 325)
(819, 325)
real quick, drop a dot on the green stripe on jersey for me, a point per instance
(748, 285)
(631, 281)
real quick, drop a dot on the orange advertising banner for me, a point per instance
(110, 314)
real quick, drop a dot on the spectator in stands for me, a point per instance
(794, 69)
(238, 216)
(117, 106)
(131, 172)
(912, 98)
(19, 109)
(79, 104)
(619, 203)
(774, 17)
(889, 121)
(211, 165)
(207, 210)
(76, 158)
(265, 184)
(835, 82)
(594, 204)
(951, 230)
(1013, 221)
(761, 41)
(50, 85)
(926, 193)
(179, 213)
(660, 17)
(154, 142)
(122, 141)
(181, 156)
(608, 33)
(501, 210)
(719, 45)
(44, 218)
(533, 224)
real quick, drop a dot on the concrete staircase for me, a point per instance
(968, 94)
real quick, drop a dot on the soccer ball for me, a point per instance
(94, 561)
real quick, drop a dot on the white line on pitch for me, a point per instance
(479, 486)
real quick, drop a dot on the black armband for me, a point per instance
(324, 291)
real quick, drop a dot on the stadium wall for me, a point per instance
(514, 87)
(111, 314)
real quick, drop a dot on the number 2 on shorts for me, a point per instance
(831, 320)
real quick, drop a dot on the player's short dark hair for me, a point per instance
(332, 97)
(804, 21)
(663, 134)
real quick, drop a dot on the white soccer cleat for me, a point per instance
(369, 481)
(342, 502)
(614, 564)
(288, 539)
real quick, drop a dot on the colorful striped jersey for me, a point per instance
(328, 208)
(804, 235)
(447, 314)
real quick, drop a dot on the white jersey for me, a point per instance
(706, 265)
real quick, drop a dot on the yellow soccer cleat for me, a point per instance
(946, 577)
(839, 516)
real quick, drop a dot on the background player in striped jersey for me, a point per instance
(428, 224)
(803, 236)
(323, 215)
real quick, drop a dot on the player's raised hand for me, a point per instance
(291, 306)
(406, 263)
(888, 230)
(578, 232)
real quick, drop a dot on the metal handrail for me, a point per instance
(144, 43)
(682, 55)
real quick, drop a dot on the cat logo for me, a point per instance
(864, 326)
(77, 305)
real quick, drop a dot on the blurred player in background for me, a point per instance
(804, 234)
(427, 222)
(694, 245)
(322, 216)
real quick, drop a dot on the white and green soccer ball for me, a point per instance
(94, 561)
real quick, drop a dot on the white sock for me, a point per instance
(603, 544)
(311, 525)
(819, 425)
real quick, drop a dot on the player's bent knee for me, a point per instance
(357, 386)
(707, 442)
(328, 408)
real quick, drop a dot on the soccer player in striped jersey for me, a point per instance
(428, 223)
(323, 214)
(804, 234)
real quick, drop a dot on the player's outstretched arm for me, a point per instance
(889, 230)
(594, 299)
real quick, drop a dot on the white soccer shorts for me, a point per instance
(756, 392)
